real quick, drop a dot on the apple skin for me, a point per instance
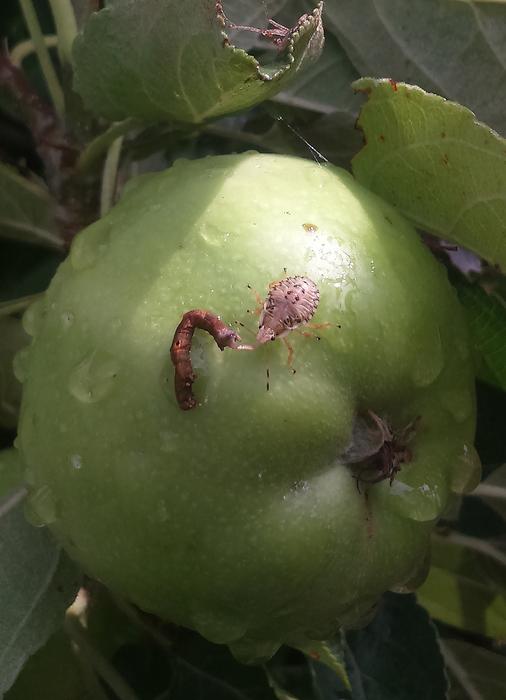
(238, 518)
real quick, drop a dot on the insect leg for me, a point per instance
(290, 352)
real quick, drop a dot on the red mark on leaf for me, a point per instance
(393, 83)
(381, 137)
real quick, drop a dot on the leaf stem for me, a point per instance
(14, 306)
(96, 148)
(135, 618)
(46, 65)
(91, 681)
(476, 544)
(12, 500)
(24, 48)
(459, 672)
(489, 491)
(97, 660)
(66, 28)
(110, 176)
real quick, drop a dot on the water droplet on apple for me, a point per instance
(213, 235)
(20, 364)
(33, 317)
(40, 507)
(162, 512)
(429, 360)
(76, 461)
(29, 475)
(67, 318)
(422, 503)
(88, 246)
(94, 378)
(168, 441)
(458, 402)
(466, 472)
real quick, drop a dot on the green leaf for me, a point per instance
(55, 669)
(27, 212)
(200, 669)
(493, 490)
(486, 316)
(172, 61)
(435, 163)
(318, 673)
(396, 656)
(455, 49)
(480, 673)
(13, 339)
(38, 583)
(465, 587)
(329, 654)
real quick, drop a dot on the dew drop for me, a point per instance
(162, 512)
(67, 318)
(33, 317)
(93, 378)
(213, 235)
(429, 360)
(20, 364)
(76, 461)
(168, 441)
(29, 476)
(421, 503)
(458, 402)
(40, 507)
(87, 247)
(466, 472)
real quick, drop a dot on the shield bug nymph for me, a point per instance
(290, 303)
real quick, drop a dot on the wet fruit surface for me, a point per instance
(238, 518)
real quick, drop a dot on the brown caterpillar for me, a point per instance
(290, 303)
(184, 376)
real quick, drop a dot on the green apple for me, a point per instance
(241, 518)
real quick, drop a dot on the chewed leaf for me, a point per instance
(432, 160)
(174, 61)
(397, 655)
(455, 49)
